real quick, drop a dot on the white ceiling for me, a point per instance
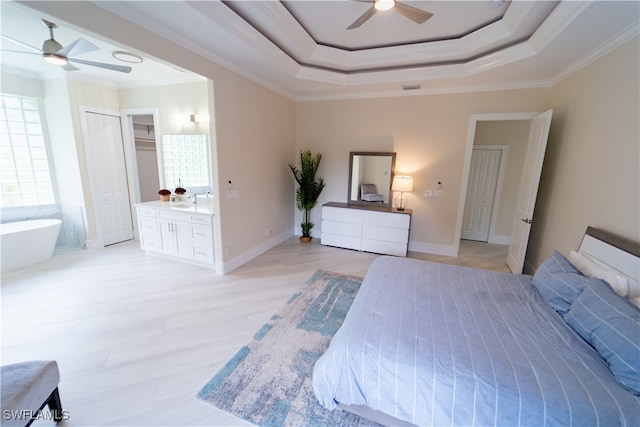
(303, 50)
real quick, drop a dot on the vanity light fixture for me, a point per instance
(403, 184)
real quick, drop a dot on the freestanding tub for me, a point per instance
(27, 242)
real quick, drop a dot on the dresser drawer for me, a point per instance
(342, 215)
(343, 228)
(382, 247)
(340, 241)
(386, 219)
(398, 235)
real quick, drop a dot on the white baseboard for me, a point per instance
(240, 259)
(432, 248)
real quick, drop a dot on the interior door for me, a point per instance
(103, 137)
(538, 135)
(481, 193)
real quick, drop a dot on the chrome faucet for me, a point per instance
(195, 197)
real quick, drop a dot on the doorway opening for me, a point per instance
(508, 186)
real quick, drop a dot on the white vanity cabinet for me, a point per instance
(184, 233)
(366, 228)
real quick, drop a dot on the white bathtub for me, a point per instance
(27, 242)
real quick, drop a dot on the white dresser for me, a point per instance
(181, 232)
(366, 228)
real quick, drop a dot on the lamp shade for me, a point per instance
(402, 183)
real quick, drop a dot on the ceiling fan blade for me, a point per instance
(28, 46)
(69, 67)
(418, 16)
(363, 18)
(120, 68)
(78, 47)
(20, 51)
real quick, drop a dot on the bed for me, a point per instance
(434, 344)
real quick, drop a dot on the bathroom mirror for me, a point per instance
(375, 169)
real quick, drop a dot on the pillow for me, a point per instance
(589, 268)
(612, 326)
(559, 282)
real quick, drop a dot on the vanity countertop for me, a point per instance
(186, 207)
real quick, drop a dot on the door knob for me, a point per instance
(526, 220)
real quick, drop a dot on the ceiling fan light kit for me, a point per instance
(384, 4)
(54, 59)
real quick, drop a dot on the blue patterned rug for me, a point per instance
(268, 381)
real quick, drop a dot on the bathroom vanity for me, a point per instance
(178, 230)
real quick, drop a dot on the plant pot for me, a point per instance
(164, 198)
(305, 239)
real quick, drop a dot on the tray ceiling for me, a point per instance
(304, 50)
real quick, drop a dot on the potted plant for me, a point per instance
(164, 194)
(309, 189)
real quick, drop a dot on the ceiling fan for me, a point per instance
(54, 53)
(416, 15)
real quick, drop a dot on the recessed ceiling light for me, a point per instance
(129, 57)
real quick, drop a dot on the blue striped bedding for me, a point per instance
(435, 344)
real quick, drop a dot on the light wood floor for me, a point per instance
(137, 336)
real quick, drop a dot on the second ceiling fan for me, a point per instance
(418, 16)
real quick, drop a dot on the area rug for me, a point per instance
(268, 381)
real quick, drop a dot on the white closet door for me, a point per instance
(108, 176)
(481, 193)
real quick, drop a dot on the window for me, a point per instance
(185, 162)
(25, 178)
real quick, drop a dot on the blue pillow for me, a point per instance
(611, 325)
(559, 282)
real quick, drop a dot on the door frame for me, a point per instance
(471, 136)
(504, 150)
(131, 159)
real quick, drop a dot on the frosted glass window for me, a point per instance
(186, 161)
(25, 176)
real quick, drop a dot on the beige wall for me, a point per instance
(174, 102)
(590, 175)
(429, 135)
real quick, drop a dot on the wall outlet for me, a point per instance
(268, 232)
(227, 251)
(428, 193)
(232, 194)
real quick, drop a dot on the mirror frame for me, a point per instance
(388, 190)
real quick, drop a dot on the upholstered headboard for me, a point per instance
(614, 253)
